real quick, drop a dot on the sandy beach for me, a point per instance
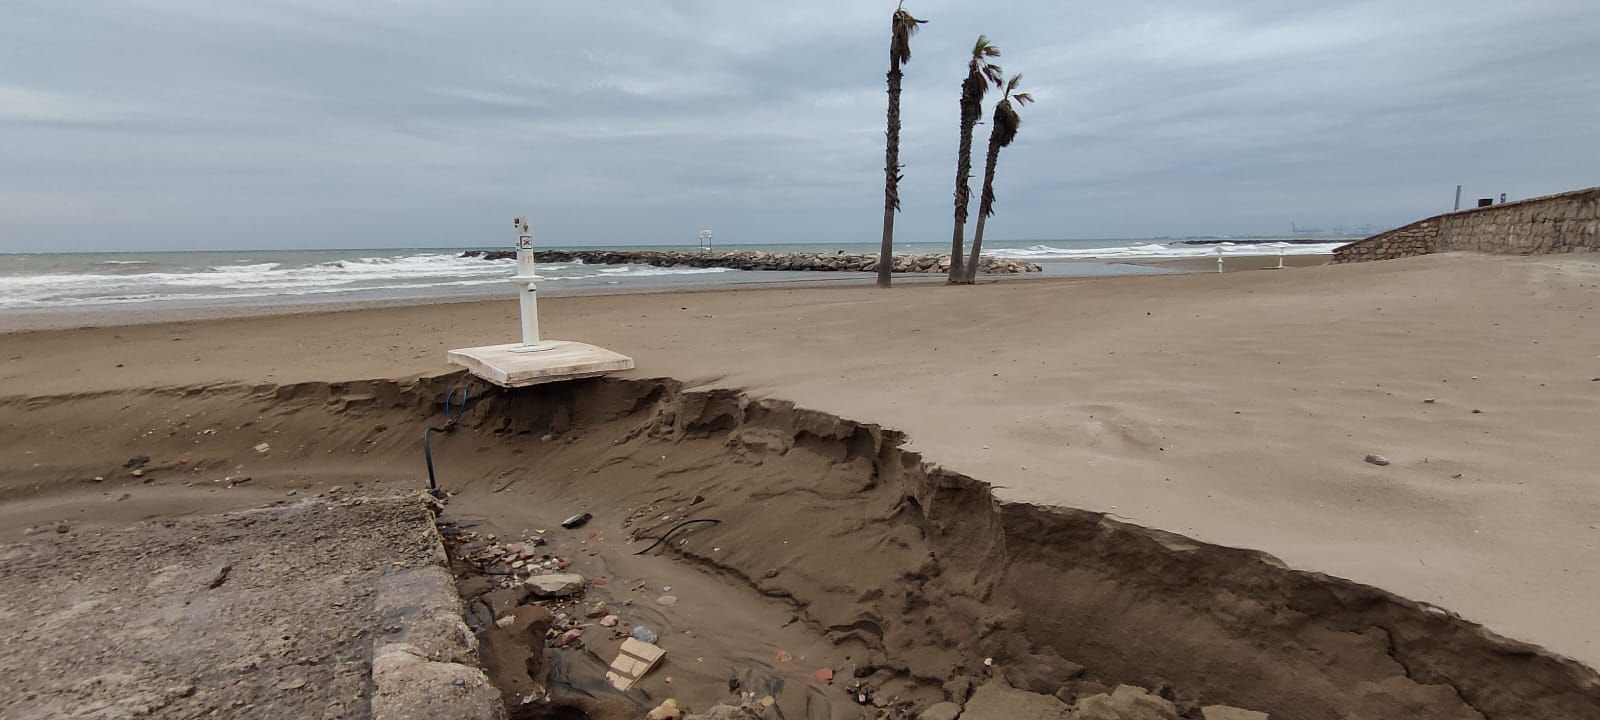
(1235, 409)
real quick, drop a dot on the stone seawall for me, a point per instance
(757, 260)
(1568, 222)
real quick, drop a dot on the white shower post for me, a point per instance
(529, 297)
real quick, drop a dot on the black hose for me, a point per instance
(452, 415)
(674, 529)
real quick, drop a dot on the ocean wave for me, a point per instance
(1160, 250)
(420, 272)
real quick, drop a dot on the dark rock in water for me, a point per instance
(762, 260)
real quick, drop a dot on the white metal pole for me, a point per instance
(528, 299)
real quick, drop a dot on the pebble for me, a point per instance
(569, 637)
(825, 675)
(505, 622)
(1378, 460)
(596, 610)
(667, 600)
(644, 634)
(609, 621)
(263, 448)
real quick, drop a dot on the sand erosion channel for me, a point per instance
(846, 577)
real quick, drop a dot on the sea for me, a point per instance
(44, 282)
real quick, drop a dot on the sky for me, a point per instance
(196, 124)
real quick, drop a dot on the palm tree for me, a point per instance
(902, 27)
(980, 72)
(1006, 123)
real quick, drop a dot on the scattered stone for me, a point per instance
(667, 710)
(1430, 401)
(233, 480)
(505, 622)
(1225, 712)
(644, 634)
(1476, 411)
(596, 610)
(555, 584)
(569, 637)
(137, 473)
(63, 528)
(220, 578)
(667, 600)
(294, 684)
(576, 521)
(1378, 460)
(824, 675)
(609, 621)
(263, 448)
(783, 656)
(941, 711)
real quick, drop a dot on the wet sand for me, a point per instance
(1234, 409)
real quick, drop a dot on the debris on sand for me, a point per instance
(644, 634)
(667, 710)
(220, 578)
(1378, 460)
(634, 660)
(263, 448)
(1225, 712)
(555, 584)
(576, 521)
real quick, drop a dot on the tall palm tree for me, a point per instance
(980, 72)
(1006, 123)
(902, 27)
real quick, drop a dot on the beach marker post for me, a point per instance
(535, 360)
(528, 299)
(1219, 259)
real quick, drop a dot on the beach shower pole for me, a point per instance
(529, 297)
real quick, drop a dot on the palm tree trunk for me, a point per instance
(963, 200)
(985, 208)
(891, 176)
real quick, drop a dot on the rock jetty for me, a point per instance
(758, 260)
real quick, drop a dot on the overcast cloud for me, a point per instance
(174, 124)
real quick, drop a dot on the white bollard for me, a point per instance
(528, 303)
(1219, 258)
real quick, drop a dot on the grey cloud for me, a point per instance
(297, 123)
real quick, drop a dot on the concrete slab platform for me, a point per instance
(505, 366)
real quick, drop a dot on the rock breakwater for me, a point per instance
(760, 260)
